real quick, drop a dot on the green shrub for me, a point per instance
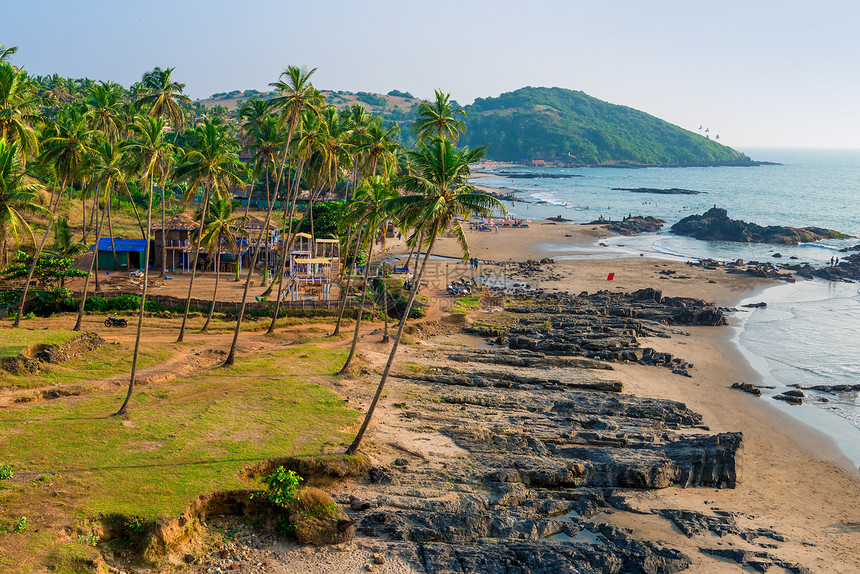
(5, 471)
(123, 303)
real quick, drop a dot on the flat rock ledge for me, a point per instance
(539, 446)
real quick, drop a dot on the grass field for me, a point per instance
(183, 437)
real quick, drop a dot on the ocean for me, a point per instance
(809, 334)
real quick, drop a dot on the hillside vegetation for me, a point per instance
(573, 127)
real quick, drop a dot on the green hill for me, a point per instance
(553, 124)
(572, 127)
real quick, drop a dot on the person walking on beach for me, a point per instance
(831, 261)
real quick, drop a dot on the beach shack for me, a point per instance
(174, 241)
(129, 253)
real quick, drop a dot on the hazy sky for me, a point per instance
(757, 72)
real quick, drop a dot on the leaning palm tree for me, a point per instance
(66, 150)
(17, 198)
(148, 149)
(296, 94)
(222, 227)
(93, 264)
(370, 210)
(439, 119)
(438, 178)
(213, 162)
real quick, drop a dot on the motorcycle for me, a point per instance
(116, 322)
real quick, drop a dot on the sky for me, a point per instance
(760, 73)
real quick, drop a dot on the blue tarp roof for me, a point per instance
(134, 245)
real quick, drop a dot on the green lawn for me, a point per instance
(13, 342)
(182, 438)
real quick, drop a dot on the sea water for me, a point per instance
(810, 332)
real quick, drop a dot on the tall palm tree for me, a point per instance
(104, 108)
(369, 209)
(213, 162)
(66, 150)
(148, 149)
(19, 110)
(296, 94)
(439, 119)
(109, 169)
(162, 97)
(380, 146)
(252, 115)
(442, 196)
(93, 265)
(222, 227)
(17, 198)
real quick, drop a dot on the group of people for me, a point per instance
(834, 261)
(473, 263)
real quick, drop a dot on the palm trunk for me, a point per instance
(163, 231)
(345, 293)
(345, 368)
(124, 408)
(289, 212)
(293, 195)
(385, 337)
(143, 234)
(194, 267)
(36, 255)
(231, 356)
(93, 265)
(215, 292)
(358, 437)
(112, 244)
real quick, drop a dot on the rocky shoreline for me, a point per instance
(543, 446)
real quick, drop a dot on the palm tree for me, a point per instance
(161, 97)
(66, 151)
(266, 139)
(222, 227)
(439, 180)
(369, 209)
(5, 52)
(105, 110)
(213, 162)
(439, 119)
(297, 94)
(19, 110)
(255, 114)
(380, 146)
(16, 198)
(93, 264)
(148, 149)
(109, 167)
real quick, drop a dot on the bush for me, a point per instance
(123, 303)
(5, 471)
(52, 300)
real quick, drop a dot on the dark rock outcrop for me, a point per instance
(670, 191)
(715, 225)
(636, 224)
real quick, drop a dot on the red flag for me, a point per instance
(611, 277)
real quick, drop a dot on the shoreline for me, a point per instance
(632, 273)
